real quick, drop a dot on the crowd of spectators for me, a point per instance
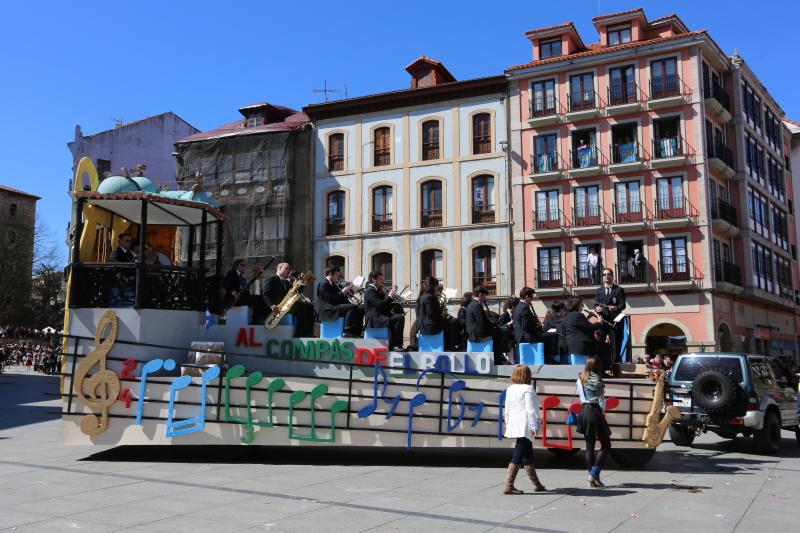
(36, 350)
(656, 362)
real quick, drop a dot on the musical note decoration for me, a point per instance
(101, 388)
(316, 393)
(197, 423)
(150, 367)
(456, 387)
(249, 423)
(380, 375)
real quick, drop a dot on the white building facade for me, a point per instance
(414, 183)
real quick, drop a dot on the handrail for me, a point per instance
(546, 277)
(630, 215)
(548, 218)
(593, 216)
(668, 86)
(547, 162)
(668, 146)
(586, 157)
(629, 274)
(629, 152)
(681, 269)
(583, 101)
(623, 93)
(543, 106)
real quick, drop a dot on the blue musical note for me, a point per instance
(501, 401)
(455, 387)
(151, 367)
(190, 425)
(414, 402)
(368, 410)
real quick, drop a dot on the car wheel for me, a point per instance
(632, 458)
(768, 439)
(681, 435)
(715, 391)
(561, 452)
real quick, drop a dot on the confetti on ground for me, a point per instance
(779, 496)
(634, 515)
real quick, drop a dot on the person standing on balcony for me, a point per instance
(638, 266)
(609, 303)
(593, 262)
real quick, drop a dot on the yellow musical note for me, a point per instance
(102, 386)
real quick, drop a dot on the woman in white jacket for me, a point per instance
(521, 418)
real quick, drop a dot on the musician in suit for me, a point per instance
(577, 330)
(377, 304)
(237, 291)
(431, 319)
(462, 321)
(332, 303)
(526, 323)
(479, 326)
(275, 290)
(609, 303)
(122, 253)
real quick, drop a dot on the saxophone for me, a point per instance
(294, 294)
(656, 427)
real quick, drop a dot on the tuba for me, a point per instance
(294, 294)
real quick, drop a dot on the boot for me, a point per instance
(594, 477)
(511, 475)
(531, 471)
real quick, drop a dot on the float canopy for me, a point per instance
(162, 212)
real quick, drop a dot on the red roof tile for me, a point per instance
(18, 192)
(618, 13)
(291, 123)
(548, 28)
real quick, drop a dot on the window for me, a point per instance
(762, 267)
(103, 166)
(483, 258)
(550, 48)
(431, 213)
(629, 272)
(589, 266)
(383, 263)
(664, 78)
(482, 133)
(670, 202)
(619, 35)
(780, 228)
(674, 263)
(334, 224)
(757, 210)
(482, 198)
(667, 142)
(430, 140)
(382, 142)
(382, 209)
(545, 155)
(431, 264)
(336, 152)
(547, 214)
(549, 268)
(581, 92)
(584, 154)
(627, 206)
(254, 121)
(587, 207)
(622, 88)
(624, 143)
(335, 261)
(12, 210)
(543, 98)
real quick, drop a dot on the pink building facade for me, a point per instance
(635, 143)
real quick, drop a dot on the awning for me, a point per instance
(161, 211)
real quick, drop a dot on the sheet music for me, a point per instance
(450, 293)
(358, 281)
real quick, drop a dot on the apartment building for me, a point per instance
(643, 141)
(413, 183)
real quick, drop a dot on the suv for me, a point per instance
(731, 394)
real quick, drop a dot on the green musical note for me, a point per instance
(252, 380)
(317, 392)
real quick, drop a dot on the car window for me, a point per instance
(761, 373)
(689, 367)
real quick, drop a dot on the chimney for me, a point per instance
(427, 72)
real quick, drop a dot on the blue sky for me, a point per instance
(67, 63)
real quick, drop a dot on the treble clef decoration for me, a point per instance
(102, 386)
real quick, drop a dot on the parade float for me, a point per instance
(146, 362)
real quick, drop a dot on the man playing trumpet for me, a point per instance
(377, 306)
(333, 302)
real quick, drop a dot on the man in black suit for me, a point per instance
(332, 303)
(526, 323)
(578, 332)
(377, 310)
(276, 289)
(638, 266)
(480, 328)
(237, 291)
(122, 253)
(609, 303)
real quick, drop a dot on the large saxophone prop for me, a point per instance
(294, 294)
(656, 427)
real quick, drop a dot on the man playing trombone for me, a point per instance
(377, 305)
(333, 302)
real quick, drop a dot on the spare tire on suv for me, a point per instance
(715, 391)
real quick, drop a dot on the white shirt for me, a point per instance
(520, 411)
(592, 260)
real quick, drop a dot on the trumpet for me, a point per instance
(396, 307)
(356, 294)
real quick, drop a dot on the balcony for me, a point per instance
(724, 217)
(431, 218)
(483, 215)
(582, 106)
(628, 217)
(485, 280)
(623, 98)
(550, 281)
(430, 151)
(334, 226)
(633, 278)
(586, 279)
(547, 222)
(720, 159)
(728, 277)
(625, 157)
(668, 152)
(717, 101)
(547, 167)
(382, 222)
(383, 157)
(587, 219)
(543, 111)
(585, 162)
(665, 92)
(675, 274)
(673, 212)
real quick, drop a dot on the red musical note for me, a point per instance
(548, 404)
(611, 404)
(128, 366)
